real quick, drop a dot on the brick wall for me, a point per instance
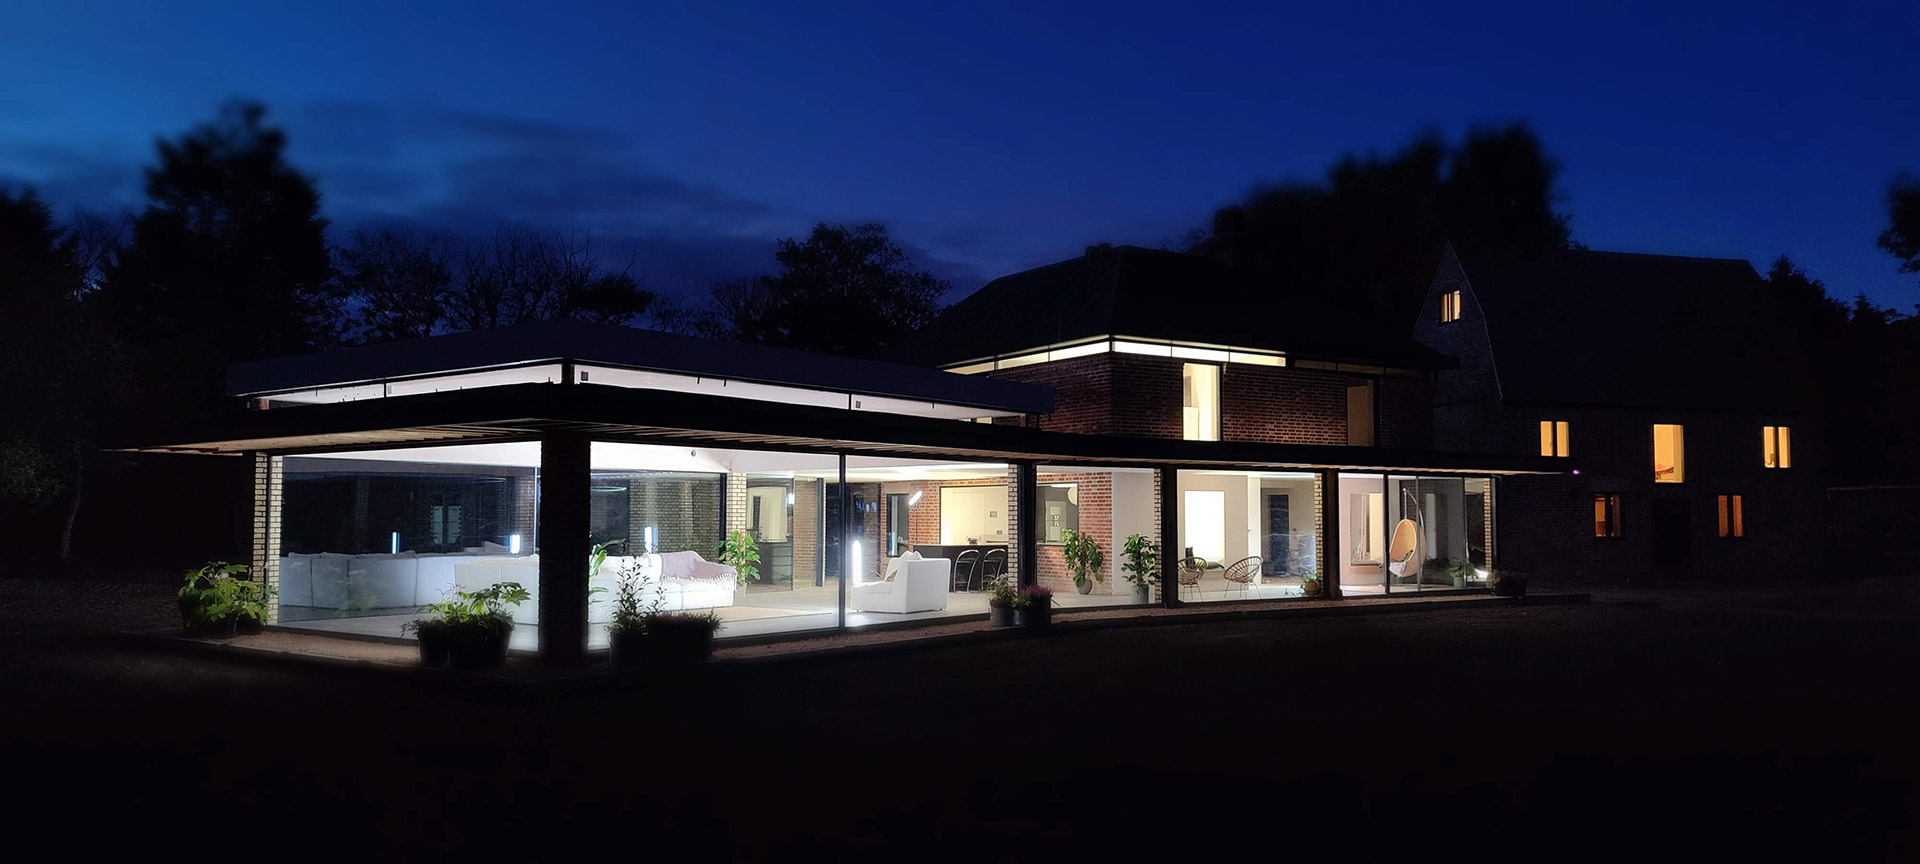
(806, 529)
(268, 475)
(1095, 492)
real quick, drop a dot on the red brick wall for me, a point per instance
(1096, 520)
(1083, 397)
(1283, 404)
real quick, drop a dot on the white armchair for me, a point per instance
(918, 585)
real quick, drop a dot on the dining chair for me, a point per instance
(966, 565)
(992, 564)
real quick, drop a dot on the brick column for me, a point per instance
(736, 507)
(1327, 512)
(1023, 519)
(265, 564)
(565, 463)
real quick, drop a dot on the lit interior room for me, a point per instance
(1409, 533)
(1246, 535)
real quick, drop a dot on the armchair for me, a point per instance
(917, 586)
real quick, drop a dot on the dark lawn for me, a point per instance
(1658, 724)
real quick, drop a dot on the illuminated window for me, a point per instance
(1733, 520)
(1553, 438)
(1669, 453)
(1360, 414)
(1606, 516)
(1450, 307)
(1200, 401)
(1776, 446)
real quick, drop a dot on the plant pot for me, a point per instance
(188, 620)
(629, 650)
(478, 649)
(1000, 616)
(225, 628)
(1459, 581)
(433, 650)
(1084, 586)
(666, 644)
(250, 625)
(1142, 595)
(1034, 617)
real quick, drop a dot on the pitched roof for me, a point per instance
(1651, 331)
(1152, 294)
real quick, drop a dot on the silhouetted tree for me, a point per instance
(228, 262)
(1364, 240)
(840, 291)
(526, 275)
(399, 283)
(1902, 237)
(60, 370)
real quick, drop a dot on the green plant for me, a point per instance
(218, 590)
(1142, 564)
(1001, 591)
(1083, 557)
(486, 611)
(1462, 570)
(1311, 585)
(742, 554)
(595, 559)
(630, 615)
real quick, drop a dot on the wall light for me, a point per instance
(853, 561)
(396, 542)
(513, 544)
(789, 499)
(650, 538)
(916, 496)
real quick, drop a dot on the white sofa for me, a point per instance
(918, 585)
(329, 580)
(683, 580)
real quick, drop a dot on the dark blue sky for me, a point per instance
(991, 138)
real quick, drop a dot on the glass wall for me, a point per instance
(1247, 535)
(926, 537)
(1107, 505)
(664, 510)
(369, 537)
(1414, 533)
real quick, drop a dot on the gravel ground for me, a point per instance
(31, 607)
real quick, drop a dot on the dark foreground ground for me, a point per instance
(1680, 723)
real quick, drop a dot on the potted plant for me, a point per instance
(217, 600)
(470, 630)
(643, 634)
(1083, 558)
(1033, 606)
(1311, 585)
(743, 555)
(1142, 566)
(1507, 583)
(1462, 572)
(1000, 601)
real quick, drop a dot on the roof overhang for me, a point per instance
(528, 411)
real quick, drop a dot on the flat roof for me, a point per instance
(523, 412)
(613, 345)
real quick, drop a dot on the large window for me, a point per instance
(1733, 517)
(1204, 514)
(1776, 445)
(1059, 511)
(1669, 453)
(1200, 402)
(899, 518)
(1554, 438)
(1606, 516)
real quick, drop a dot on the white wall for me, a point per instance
(1240, 491)
(973, 511)
(1132, 514)
(1342, 533)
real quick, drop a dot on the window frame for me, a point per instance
(1219, 403)
(1607, 528)
(1450, 307)
(1731, 504)
(898, 529)
(1776, 447)
(1039, 500)
(1556, 439)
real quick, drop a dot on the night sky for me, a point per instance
(990, 138)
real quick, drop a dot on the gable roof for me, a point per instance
(1150, 294)
(1632, 330)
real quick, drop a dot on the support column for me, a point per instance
(565, 462)
(1026, 524)
(1169, 537)
(1329, 533)
(265, 552)
(846, 538)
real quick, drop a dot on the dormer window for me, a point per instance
(1450, 307)
(1669, 453)
(1776, 446)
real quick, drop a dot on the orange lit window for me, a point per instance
(1553, 438)
(1669, 453)
(1733, 517)
(1606, 516)
(1450, 307)
(1776, 446)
